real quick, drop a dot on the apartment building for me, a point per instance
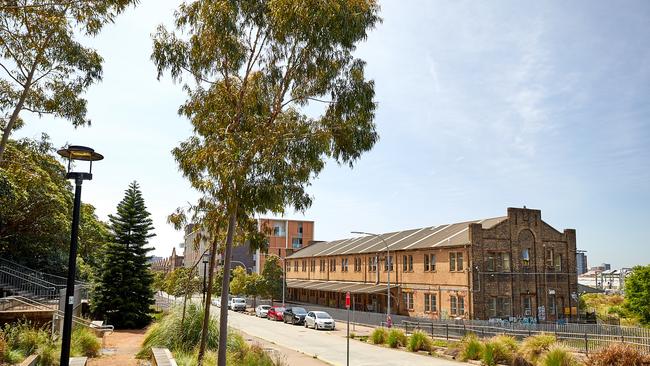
(510, 267)
(284, 236)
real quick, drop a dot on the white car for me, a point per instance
(262, 310)
(319, 320)
(217, 301)
(237, 304)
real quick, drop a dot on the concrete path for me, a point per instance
(329, 346)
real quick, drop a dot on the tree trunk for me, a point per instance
(223, 318)
(208, 300)
(14, 115)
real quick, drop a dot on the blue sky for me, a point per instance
(481, 106)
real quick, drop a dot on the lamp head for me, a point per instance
(79, 153)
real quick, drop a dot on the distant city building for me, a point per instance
(581, 262)
(167, 264)
(284, 236)
(605, 279)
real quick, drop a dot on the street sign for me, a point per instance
(347, 300)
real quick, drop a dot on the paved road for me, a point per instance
(329, 346)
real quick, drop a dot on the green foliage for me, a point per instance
(4, 348)
(379, 336)
(84, 343)
(49, 354)
(558, 356)
(637, 293)
(123, 292)
(419, 341)
(46, 69)
(24, 337)
(238, 282)
(533, 347)
(618, 354)
(500, 349)
(13, 357)
(396, 338)
(471, 347)
(182, 280)
(36, 208)
(169, 333)
(272, 274)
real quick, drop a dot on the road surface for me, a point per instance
(329, 346)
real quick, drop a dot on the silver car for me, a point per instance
(238, 304)
(319, 320)
(262, 310)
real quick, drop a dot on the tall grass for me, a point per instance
(379, 336)
(534, 346)
(168, 332)
(396, 338)
(618, 354)
(419, 341)
(4, 348)
(500, 349)
(558, 355)
(84, 343)
(471, 348)
(25, 338)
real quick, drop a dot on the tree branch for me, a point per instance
(11, 76)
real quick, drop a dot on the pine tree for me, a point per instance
(123, 292)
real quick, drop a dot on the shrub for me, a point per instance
(84, 343)
(439, 343)
(534, 346)
(49, 355)
(4, 348)
(352, 335)
(618, 354)
(419, 341)
(25, 338)
(168, 332)
(13, 357)
(379, 336)
(471, 348)
(558, 356)
(500, 349)
(396, 338)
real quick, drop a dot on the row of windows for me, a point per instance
(455, 264)
(456, 303)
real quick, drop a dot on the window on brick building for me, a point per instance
(490, 262)
(461, 305)
(430, 303)
(505, 262)
(452, 261)
(492, 307)
(525, 257)
(357, 264)
(388, 265)
(410, 263)
(278, 228)
(333, 265)
(404, 263)
(372, 264)
(295, 266)
(426, 263)
(344, 265)
(503, 307)
(558, 263)
(527, 305)
(407, 263)
(304, 265)
(313, 265)
(456, 261)
(459, 261)
(549, 257)
(289, 267)
(407, 297)
(453, 305)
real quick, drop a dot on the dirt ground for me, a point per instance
(122, 346)
(120, 349)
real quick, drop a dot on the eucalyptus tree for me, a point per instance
(44, 68)
(251, 69)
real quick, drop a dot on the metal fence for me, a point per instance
(583, 338)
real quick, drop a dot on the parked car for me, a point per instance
(237, 304)
(295, 315)
(216, 301)
(319, 320)
(275, 313)
(262, 310)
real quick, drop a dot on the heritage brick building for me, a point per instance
(515, 266)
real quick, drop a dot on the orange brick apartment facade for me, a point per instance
(285, 236)
(516, 266)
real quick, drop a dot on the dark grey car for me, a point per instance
(295, 315)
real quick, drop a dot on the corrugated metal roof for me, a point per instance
(427, 237)
(338, 286)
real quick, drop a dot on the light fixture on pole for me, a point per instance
(389, 265)
(206, 259)
(74, 153)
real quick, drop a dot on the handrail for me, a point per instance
(30, 269)
(39, 274)
(24, 279)
(35, 278)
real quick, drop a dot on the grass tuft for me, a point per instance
(471, 347)
(396, 338)
(379, 336)
(558, 356)
(534, 346)
(618, 354)
(419, 341)
(84, 343)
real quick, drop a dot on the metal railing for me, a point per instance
(580, 340)
(24, 281)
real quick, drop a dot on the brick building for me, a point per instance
(168, 264)
(285, 236)
(515, 266)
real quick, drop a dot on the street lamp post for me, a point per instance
(77, 153)
(389, 265)
(206, 259)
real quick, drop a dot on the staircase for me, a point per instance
(18, 280)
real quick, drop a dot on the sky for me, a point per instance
(481, 106)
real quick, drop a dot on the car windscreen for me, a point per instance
(323, 316)
(279, 310)
(299, 311)
(265, 307)
(239, 301)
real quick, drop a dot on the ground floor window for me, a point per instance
(461, 305)
(453, 305)
(430, 303)
(407, 297)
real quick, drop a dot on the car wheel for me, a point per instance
(315, 326)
